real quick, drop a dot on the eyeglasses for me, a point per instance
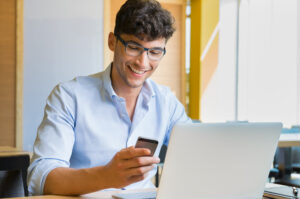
(134, 49)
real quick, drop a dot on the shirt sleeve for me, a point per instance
(55, 138)
(177, 115)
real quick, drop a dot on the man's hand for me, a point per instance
(128, 166)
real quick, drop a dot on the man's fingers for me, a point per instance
(139, 170)
(141, 161)
(131, 164)
(132, 152)
(134, 179)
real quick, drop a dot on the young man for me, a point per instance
(85, 141)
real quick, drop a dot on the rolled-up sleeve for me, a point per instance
(55, 138)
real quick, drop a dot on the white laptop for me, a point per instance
(217, 161)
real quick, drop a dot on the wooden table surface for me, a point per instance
(95, 195)
(10, 151)
(289, 140)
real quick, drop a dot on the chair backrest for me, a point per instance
(13, 174)
(11, 184)
(162, 153)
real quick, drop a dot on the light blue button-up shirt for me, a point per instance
(86, 123)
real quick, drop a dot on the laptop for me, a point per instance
(216, 161)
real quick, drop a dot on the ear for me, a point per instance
(111, 41)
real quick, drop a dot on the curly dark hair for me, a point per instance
(145, 19)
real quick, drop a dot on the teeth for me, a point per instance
(137, 71)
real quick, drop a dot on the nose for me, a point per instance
(143, 60)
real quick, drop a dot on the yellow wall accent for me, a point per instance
(209, 64)
(195, 73)
(209, 19)
(204, 19)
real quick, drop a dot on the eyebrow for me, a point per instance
(131, 41)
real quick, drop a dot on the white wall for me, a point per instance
(62, 39)
(268, 78)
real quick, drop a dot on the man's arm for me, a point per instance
(128, 166)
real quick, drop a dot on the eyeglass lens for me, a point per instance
(136, 50)
(133, 49)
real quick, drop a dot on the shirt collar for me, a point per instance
(147, 90)
(107, 82)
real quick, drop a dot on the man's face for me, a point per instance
(129, 70)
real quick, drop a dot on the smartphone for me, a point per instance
(147, 143)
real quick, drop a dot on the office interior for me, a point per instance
(229, 60)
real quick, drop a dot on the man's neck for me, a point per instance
(130, 94)
(125, 91)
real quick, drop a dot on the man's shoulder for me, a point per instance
(81, 85)
(160, 90)
(81, 82)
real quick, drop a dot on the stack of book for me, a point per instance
(281, 191)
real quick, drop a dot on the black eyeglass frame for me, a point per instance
(125, 43)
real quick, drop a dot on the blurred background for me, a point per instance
(228, 60)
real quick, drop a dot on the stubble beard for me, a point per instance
(126, 80)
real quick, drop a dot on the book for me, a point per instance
(281, 192)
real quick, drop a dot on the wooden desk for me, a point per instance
(95, 195)
(289, 140)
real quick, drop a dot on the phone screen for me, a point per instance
(147, 143)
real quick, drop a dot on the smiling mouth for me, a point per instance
(139, 72)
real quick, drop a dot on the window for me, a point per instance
(258, 74)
